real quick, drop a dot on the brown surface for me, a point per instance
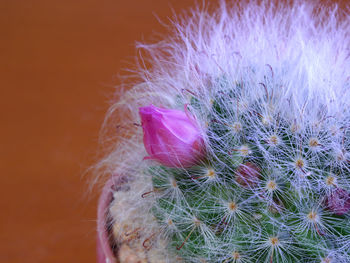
(58, 59)
(58, 63)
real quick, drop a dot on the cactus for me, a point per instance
(268, 88)
(265, 193)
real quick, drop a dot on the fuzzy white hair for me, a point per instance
(300, 49)
(304, 47)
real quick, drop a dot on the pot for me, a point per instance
(104, 245)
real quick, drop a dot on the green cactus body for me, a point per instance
(260, 194)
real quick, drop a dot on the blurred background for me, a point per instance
(59, 61)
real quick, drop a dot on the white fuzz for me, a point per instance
(287, 67)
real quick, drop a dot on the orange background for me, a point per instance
(58, 63)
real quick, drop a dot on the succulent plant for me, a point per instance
(250, 142)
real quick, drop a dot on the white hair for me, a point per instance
(294, 57)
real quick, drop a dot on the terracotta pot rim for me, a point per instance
(104, 251)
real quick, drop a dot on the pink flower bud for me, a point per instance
(171, 137)
(339, 201)
(247, 175)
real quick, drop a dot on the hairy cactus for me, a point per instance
(250, 143)
(266, 191)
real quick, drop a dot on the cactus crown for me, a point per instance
(268, 85)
